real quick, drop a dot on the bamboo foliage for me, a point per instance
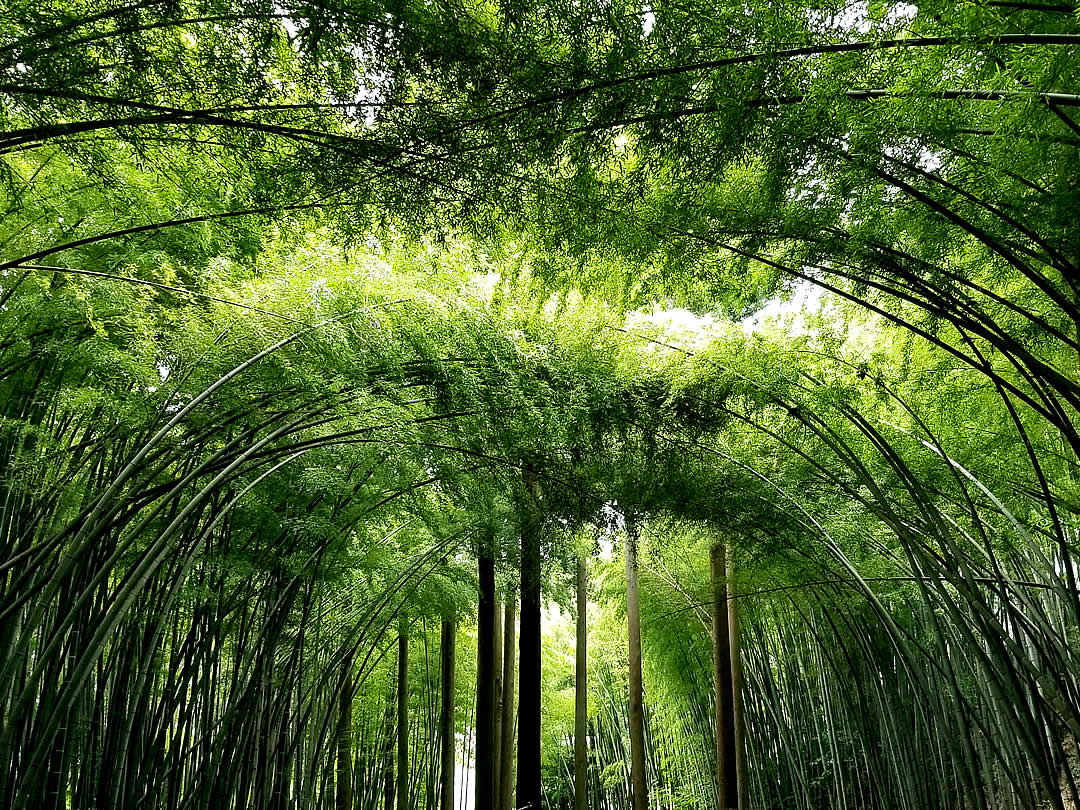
(277, 347)
(157, 596)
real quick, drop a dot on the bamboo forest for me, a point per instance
(539, 404)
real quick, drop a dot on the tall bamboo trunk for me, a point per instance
(447, 655)
(738, 719)
(343, 799)
(485, 684)
(403, 718)
(726, 769)
(581, 693)
(388, 751)
(506, 733)
(528, 766)
(638, 785)
(496, 720)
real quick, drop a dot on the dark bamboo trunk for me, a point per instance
(638, 785)
(581, 692)
(388, 751)
(528, 766)
(738, 719)
(448, 749)
(726, 769)
(506, 720)
(403, 718)
(344, 794)
(496, 720)
(485, 684)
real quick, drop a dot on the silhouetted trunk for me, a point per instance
(726, 782)
(403, 718)
(446, 716)
(485, 682)
(638, 787)
(528, 766)
(738, 725)
(388, 750)
(581, 693)
(344, 795)
(506, 733)
(496, 720)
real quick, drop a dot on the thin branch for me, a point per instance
(160, 286)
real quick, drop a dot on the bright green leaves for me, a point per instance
(442, 213)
